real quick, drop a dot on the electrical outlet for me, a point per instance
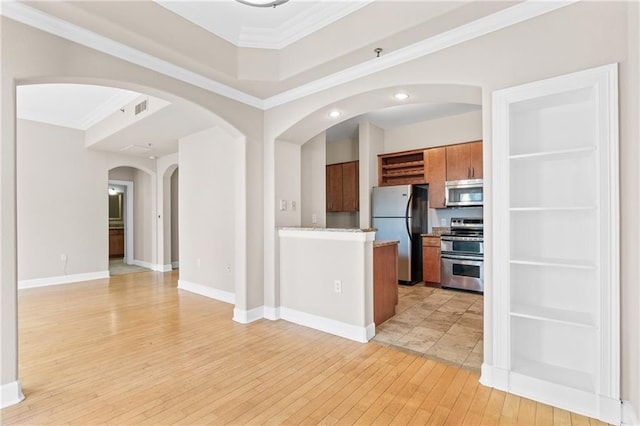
(63, 257)
(337, 286)
(314, 218)
(293, 206)
(198, 262)
(443, 222)
(283, 205)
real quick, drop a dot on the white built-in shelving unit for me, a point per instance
(555, 262)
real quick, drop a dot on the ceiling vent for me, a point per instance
(136, 149)
(141, 107)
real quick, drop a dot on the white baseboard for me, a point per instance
(175, 264)
(210, 292)
(271, 313)
(62, 279)
(153, 266)
(348, 331)
(11, 394)
(245, 317)
(629, 414)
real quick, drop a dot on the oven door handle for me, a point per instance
(462, 257)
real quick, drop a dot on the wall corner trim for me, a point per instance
(62, 279)
(327, 325)
(271, 313)
(245, 317)
(494, 377)
(11, 394)
(206, 291)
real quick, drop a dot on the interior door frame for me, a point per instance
(128, 225)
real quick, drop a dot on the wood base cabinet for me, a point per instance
(431, 269)
(116, 242)
(385, 281)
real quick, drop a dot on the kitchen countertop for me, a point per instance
(319, 229)
(437, 231)
(378, 243)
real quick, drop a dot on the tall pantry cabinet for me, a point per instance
(556, 331)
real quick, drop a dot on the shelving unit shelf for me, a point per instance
(563, 316)
(406, 167)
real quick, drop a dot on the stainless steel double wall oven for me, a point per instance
(462, 255)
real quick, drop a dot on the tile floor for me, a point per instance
(445, 325)
(118, 267)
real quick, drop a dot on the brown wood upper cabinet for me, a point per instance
(435, 171)
(342, 186)
(464, 161)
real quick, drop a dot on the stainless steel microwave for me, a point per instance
(463, 193)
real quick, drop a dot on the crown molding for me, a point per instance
(497, 21)
(314, 18)
(520, 12)
(56, 26)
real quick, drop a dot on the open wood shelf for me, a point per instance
(401, 168)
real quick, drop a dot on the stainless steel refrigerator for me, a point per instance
(400, 213)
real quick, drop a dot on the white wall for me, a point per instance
(288, 160)
(207, 210)
(450, 130)
(313, 197)
(62, 203)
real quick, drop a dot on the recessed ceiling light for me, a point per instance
(401, 96)
(335, 114)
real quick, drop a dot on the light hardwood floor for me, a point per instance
(136, 350)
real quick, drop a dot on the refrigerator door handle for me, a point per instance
(406, 217)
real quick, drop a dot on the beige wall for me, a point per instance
(62, 203)
(313, 181)
(342, 150)
(206, 203)
(442, 131)
(371, 139)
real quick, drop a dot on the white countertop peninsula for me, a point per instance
(326, 280)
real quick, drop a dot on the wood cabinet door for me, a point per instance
(436, 174)
(475, 159)
(334, 187)
(458, 162)
(350, 187)
(431, 264)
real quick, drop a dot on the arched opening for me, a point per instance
(442, 323)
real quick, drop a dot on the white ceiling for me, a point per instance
(263, 27)
(77, 106)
